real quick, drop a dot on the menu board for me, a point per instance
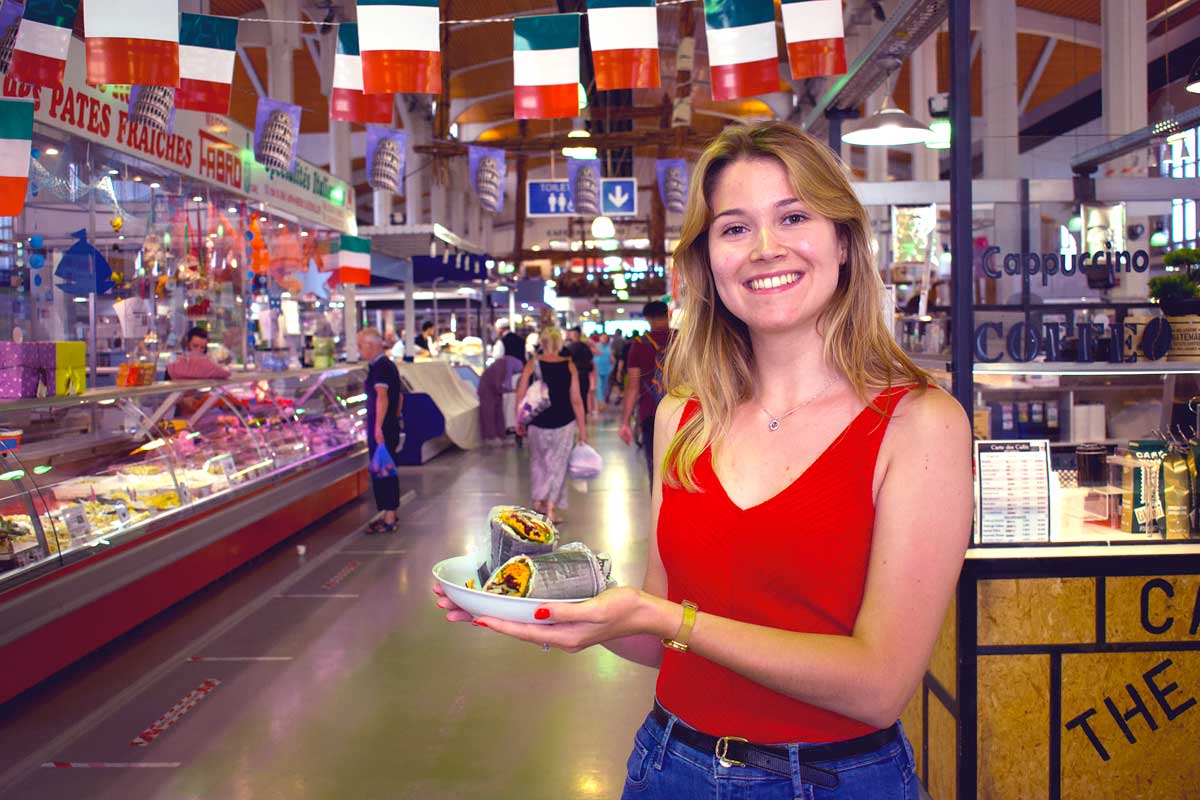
(1013, 491)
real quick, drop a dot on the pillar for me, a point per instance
(923, 74)
(997, 24)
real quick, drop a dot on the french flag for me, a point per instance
(816, 40)
(207, 51)
(401, 46)
(743, 58)
(546, 66)
(43, 40)
(624, 37)
(132, 41)
(347, 102)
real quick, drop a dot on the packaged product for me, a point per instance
(570, 573)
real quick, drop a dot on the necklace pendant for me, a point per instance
(773, 425)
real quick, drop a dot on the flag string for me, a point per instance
(479, 21)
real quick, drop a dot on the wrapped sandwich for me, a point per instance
(570, 573)
(518, 531)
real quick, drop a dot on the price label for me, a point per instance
(75, 521)
(185, 494)
(224, 465)
(122, 511)
(1013, 490)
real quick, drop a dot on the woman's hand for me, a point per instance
(520, 429)
(453, 612)
(613, 614)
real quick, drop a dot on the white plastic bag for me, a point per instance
(585, 463)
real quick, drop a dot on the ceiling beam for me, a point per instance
(1038, 69)
(248, 65)
(1053, 26)
(602, 141)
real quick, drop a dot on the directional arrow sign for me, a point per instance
(618, 196)
(549, 199)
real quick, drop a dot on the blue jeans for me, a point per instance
(666, 769)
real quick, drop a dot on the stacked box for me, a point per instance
(26, 369)
(70, 368)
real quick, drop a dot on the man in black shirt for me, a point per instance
(581, 354)
(384, 426)
(423, 344)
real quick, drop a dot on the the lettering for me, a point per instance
(1098, 266)
(981, 347)
(1161, 624)
(218, 161)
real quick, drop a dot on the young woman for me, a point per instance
(811, 510)
(552, 433)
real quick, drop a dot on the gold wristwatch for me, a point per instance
(680, 642)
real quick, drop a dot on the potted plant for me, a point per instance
(1178, 293)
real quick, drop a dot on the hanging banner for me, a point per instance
(400, 42)
(353, 259)
(546, 66)
(206, 147)
(153, 107)
(386, 152)
(347, 102)
(207, 52)
(488, 171)
(10, 23)
(16, 133)
(584, 178)
(132, 41)
(672, 183)
(743, 55)
(276, 134)
(624, 37)
(43, 41)
(815, 37)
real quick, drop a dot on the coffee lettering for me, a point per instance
(1166, 588)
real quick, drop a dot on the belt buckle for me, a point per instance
(722, 751)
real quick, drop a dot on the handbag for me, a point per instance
(536, 400)
(584, 463)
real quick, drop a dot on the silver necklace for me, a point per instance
(773, 421)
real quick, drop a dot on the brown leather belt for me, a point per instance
(774, 758)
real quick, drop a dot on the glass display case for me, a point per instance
(79, 475)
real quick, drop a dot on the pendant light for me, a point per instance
(1193, 81)
(889, 126)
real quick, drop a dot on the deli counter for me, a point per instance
(117, 503)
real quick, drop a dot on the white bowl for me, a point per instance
(453, 574)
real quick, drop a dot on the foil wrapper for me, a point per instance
(569, 573)
(517, 531)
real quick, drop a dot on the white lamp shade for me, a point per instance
(888, 127)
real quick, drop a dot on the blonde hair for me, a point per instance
(711, 357)
(550, 340)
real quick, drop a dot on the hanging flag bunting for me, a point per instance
(353, 258)
(400, 42)
(132, 41)
(488, 170)
(743, 58)
(584, 178)
(10, 22)
(16, 132)
(815, 38)
(347, 103)
(546, 66)
(207, 51)
(40, 50)
(386, 151)
(624, 37)
(672, 183)
(276, 134)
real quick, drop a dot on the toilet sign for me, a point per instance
(549, 199)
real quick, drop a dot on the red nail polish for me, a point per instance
(480, 624)
(542, 613)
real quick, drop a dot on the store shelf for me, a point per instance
(1117, 545)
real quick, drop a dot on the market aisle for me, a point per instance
(357, 687)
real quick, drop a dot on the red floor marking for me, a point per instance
(160, 725)
(113, 764)
(341, 575)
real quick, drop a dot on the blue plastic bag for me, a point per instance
(382, 463)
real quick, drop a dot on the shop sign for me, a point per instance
(210, 148)
(1098, 266)
(1023, 343)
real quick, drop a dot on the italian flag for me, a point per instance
(16, 132)
(815, 38)
(743, 59)
(132, 41)
(400, 42)
(207, 51)
(624, 36)
(353, 259)
(347, 103)
(546, 66)
(43, 39)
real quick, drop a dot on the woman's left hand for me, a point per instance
(612, 614)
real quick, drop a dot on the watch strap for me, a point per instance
(682, 637)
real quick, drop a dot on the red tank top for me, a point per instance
(797, 561)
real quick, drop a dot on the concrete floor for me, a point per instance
(333, 675)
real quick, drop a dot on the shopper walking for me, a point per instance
(645, 387)
(604, 366)
(553, 432)
(493, 384)
(584, 361)
(384, 426)
(811, 511)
